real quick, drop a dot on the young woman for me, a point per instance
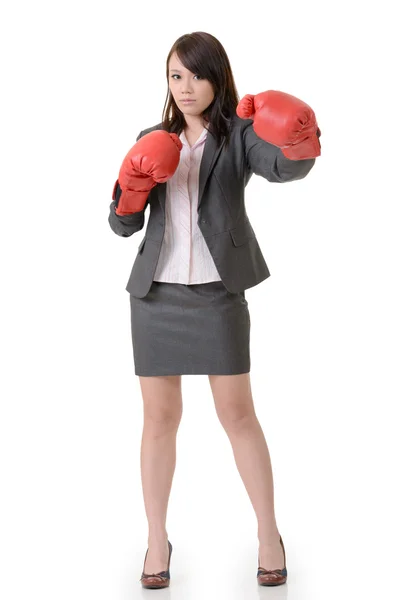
(189, 314)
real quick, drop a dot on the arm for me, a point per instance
(128, 224)
(152, 160)
(282, 139)
(125, 225)
(269, 162)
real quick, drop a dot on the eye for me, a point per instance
(176, 75)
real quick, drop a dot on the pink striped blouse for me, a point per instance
(184, 256)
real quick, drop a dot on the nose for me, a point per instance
(186, 88)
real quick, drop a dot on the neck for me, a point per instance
(194, 123)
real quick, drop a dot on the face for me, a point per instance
(184, 84)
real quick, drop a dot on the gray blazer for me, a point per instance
(221, 210)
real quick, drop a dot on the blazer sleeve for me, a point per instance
(269, 161)
(125, 225)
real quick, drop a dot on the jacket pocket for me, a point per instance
(242, 233)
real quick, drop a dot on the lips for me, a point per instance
(187, 101)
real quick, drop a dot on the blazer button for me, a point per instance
(203, 221)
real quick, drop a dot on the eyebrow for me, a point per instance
(177, 70)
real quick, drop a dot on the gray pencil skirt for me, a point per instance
(199, 329)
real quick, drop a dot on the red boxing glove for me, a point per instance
(153, 159)
(284, 121)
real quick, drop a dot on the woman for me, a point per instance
(189, 314)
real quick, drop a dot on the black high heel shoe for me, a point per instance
(274, 576)
(156, 580)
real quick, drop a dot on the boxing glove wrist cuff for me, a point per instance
(308, 148)
(131, 202)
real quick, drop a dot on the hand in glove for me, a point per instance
(153, 159)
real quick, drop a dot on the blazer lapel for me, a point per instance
(210, 154)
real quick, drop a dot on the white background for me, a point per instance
(80, 80)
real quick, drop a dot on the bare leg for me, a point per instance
(235, 409)
(162, 411)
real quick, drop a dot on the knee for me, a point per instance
(162, 404)
(160, 422)
(235, 419)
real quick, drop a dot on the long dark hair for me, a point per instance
(203, 54)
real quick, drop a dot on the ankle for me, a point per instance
(268, 537)
(157, 536)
